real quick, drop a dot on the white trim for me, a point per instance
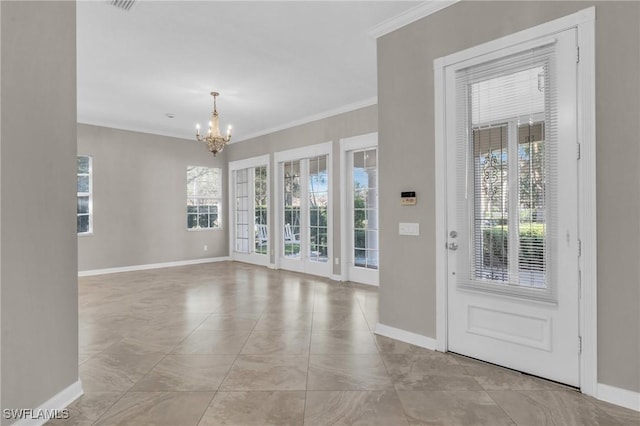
(408, 16)
(524, 36)
(311, 118)
(245, 163)
(308, 151)
(59, 401)
(368, 140)
(441, 207)
(587, 220)
(622, 397)
(406, 336)
(132, 268)
(584, 21)
(336, 277)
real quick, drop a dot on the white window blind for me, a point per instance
(507, 170)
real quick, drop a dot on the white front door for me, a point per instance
(511, 185)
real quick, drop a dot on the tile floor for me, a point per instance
(233, 344)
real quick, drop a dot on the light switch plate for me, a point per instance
(412, 229)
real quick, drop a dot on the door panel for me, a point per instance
(250, 231)
(512, 209)
(305, 224)
(363, 258)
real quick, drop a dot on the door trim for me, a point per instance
(366, 141)
(584, 22)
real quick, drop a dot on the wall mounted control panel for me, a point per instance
(408, 198)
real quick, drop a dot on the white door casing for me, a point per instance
(510, 329)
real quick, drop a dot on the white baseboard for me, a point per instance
(406, 336)
(336, 277)
(57, 403)
(624, 398)
(151, 266)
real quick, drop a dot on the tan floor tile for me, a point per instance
(227, 322)
(452, 408)
(215, 342)
(186, 373)
(158, 409)
(342, 342)
(278, 342)
(365, 408)
(347, 372)
(541, 408)
(255, 409)
(88, 408)
(257, 372)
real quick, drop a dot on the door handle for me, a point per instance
(453, 246)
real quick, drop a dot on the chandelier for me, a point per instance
(215, 141)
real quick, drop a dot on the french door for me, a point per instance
(249, 234)
(360, 199)
(511, 185)
(304, 222)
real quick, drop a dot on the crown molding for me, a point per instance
(410, 15)
(315, 117)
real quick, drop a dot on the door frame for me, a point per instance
(310, 151)
(584, 22)
(262, 160)
(366, 141)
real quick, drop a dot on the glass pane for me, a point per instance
(291, 207)
(358, 160)
(83, 164)
(83, 183)
(531, 205)
(490, 148)
(360, 258)
(213, 220)
(370, 158)
(359, 239)
(83, 204)
(372, 259)
(203, 220)
(192, 221)
(83, 223)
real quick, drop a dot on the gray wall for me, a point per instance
(406, 143)
(139, 200)
(39, 307)
(331, 129)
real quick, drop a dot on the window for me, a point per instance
(85, 187)
(203, 197)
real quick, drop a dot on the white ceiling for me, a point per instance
(274, 63)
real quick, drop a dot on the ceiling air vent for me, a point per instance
(123, 4)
